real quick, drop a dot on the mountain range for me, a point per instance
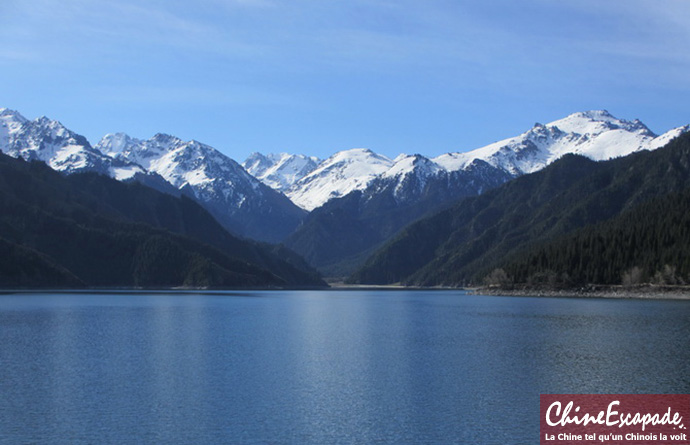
(63, 150)
(334, 212)
(240, 202)
(575, 222)
(596, 134)
(360, 199)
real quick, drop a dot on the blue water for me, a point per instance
(320, 367)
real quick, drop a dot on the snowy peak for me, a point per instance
(407, 177)
(51, 142)
(114, 144)
(279, 171)
(166, 140)
(239, 200)
(597, 122)
(178, 162)
(256, 163)
(595, 134)
(143, 152)
(10, 123)
(337, 176)
(11, 117)
(355, 160)
(667, 137)
(416, 164)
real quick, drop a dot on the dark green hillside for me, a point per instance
(650, 243)
(22, 267)
(107, 233)
(461, 245)
(335, 232)
(135, 202)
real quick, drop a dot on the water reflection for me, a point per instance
(320, 367)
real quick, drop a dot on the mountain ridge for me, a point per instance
(406, 187)
(337, 237)
(463, 243)
(62, 149)
(239, 201)
(596, 134)
(280, 171)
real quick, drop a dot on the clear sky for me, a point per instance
(318, 76)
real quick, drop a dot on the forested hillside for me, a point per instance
(649, 243)
(464, 244)
(89, 230)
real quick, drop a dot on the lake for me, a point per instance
(320, 366)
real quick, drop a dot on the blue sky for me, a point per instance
(318, 76)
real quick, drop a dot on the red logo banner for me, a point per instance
(638, 419)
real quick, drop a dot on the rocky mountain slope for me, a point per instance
(280, 171)
(238, 200)
(63, 150)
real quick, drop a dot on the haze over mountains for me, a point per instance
(334, 212)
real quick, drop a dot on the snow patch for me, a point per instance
(280, 171)
(342, 173)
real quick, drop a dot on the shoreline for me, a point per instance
(641, 292)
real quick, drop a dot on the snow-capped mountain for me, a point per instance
(63, 150)
(415, 177)
(337, 176)
(238, 200)
(407, 177)
(594, 134)
(280, 171)
(338, 235)
(256, 208)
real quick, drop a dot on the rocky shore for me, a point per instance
(594, 291)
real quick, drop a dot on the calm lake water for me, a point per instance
(320, 366)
